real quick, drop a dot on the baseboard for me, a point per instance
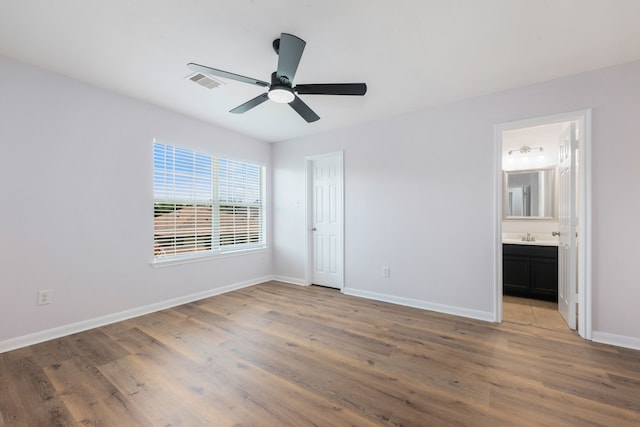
(410, 302)
(291, 280)
(61, 331)
(617, 340)
(49, 334)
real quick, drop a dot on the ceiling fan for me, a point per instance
(289, 49)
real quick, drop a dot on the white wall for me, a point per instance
(403, 206)
(77, 197)
(419, 197)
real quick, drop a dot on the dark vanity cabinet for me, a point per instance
(530, 271)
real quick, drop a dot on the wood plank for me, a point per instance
(28, 397)
(90, 397)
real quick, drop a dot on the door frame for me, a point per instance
(308, 269)
(584, 295)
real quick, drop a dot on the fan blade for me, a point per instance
(212, 71)
(332, 89)
(250, 104)
(304, 110)
(291, 48)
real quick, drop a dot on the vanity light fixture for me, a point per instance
(525, 150)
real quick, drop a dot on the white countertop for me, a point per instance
(541, 242)
(540, 239)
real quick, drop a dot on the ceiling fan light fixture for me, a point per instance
(281, 95)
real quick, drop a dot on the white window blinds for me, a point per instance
(205, 204)
(239, 203)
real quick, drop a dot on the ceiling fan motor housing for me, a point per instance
(280, 90)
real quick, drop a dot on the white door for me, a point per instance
(327, 229)
(567, 222)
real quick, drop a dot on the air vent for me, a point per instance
(205, 81)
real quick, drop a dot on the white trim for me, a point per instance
(424, 305)
(584, 213)
(61, 331)
(291, 280)
(585, 324)
(497, 225)
(205, 256)
(617, 340)
(308, 222)
(308, 267)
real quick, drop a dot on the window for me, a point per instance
(205, 204)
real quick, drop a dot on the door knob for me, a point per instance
(555, 233)
(313, 229)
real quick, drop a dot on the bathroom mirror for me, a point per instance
(529, 194)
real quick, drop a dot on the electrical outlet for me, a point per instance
(386, 272)
(44, 296)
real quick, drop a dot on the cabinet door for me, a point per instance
(515, 274)
(544, 278)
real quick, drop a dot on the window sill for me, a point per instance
(168, 261)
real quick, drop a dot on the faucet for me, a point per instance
(528, 238)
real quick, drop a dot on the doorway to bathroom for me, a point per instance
(543, 221)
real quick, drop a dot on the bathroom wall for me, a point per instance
(547, 137)
(537, 228)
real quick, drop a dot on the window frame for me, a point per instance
(218, 248)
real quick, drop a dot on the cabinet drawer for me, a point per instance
(531, 250)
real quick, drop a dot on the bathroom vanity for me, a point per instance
(530, 270)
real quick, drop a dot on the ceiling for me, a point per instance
(413, 54)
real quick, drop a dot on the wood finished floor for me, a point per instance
(284, 355)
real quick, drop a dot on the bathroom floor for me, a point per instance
(541, 314)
